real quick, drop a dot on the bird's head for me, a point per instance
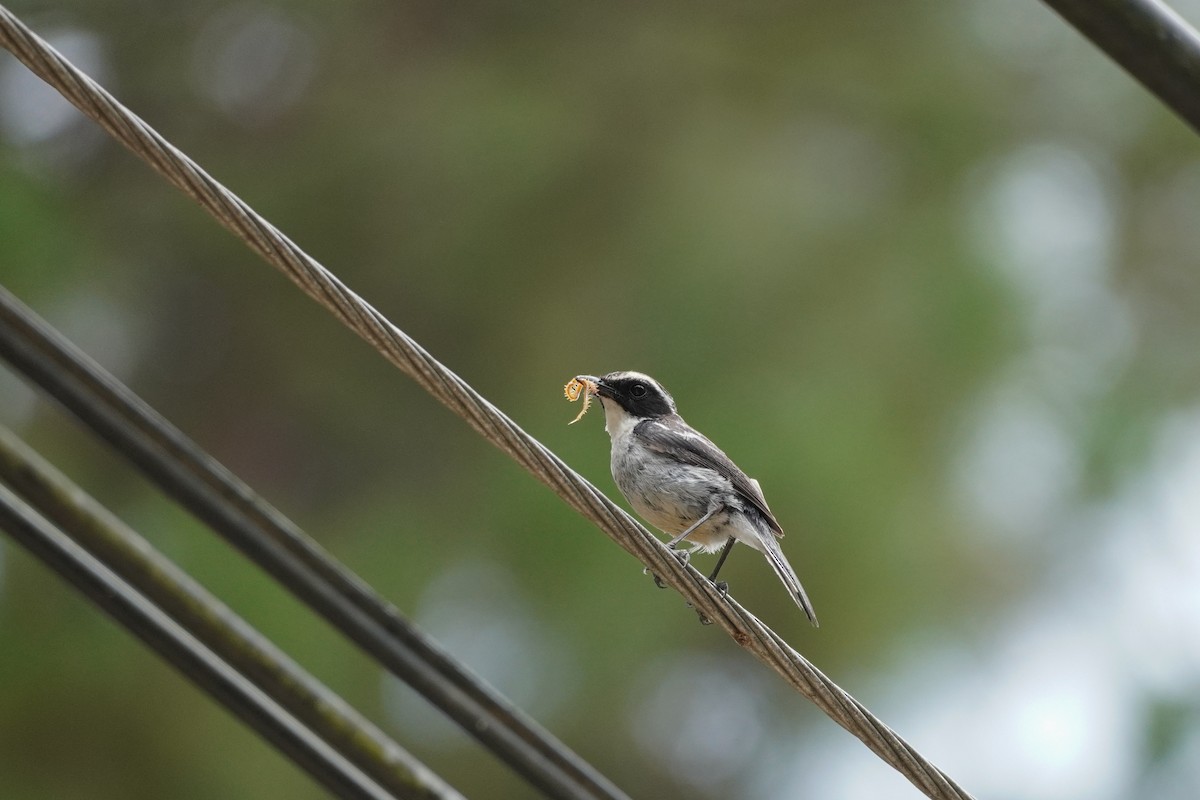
(632, 394)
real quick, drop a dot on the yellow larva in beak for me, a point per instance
(575, 387)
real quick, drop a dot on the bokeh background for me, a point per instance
(925, 269)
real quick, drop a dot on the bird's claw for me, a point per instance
(682, 556)
(722, 588)
(657, 580)
(704, 620)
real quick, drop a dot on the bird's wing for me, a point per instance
(688, 446)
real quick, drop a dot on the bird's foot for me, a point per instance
(657, 580)
(704, 620)
(722, 588)
(682, 556)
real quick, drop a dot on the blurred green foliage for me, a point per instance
(794, 215)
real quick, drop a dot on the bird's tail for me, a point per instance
(784, 570)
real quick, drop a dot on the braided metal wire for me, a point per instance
(453, 392)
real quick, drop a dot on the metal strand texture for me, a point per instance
(453, 392)
(215, 496)
(145, 620)
(136, 562)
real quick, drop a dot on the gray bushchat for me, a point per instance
(682, 483)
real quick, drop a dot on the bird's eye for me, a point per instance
(638, 390)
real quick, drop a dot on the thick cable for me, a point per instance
(184, 471)
(1149, 41)
(453, 392)
(229, 688)
(135, 561)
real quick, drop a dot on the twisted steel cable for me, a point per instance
(232, 510)
(453, 392)
(215, 626)
(183, 651)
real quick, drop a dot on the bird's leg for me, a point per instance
(686, 555)
(722, 586)
(671, 544)
(724, 555)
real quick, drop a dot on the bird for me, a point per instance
(682, 483)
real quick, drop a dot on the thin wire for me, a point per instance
(263, 534)
(453, 392)
(1149, 41)
(135, 561)
(183, 652)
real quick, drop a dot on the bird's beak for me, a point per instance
(598, 387)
